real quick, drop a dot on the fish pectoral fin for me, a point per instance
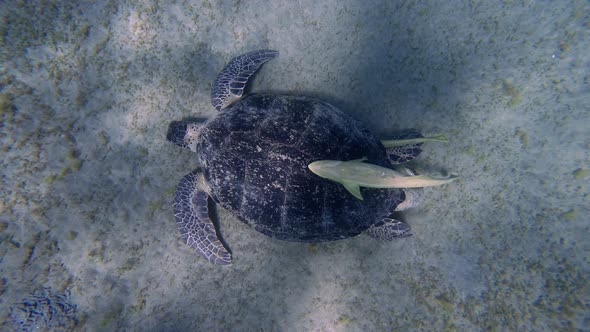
(353, 188)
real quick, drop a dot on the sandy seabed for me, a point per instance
(87, 90)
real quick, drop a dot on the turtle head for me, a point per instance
(185, 133)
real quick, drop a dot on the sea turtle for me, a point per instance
(287, 166)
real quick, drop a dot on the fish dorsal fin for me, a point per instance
(353, 188)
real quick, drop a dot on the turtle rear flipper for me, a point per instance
(388, 230)
(192, 217)
(231, 81)
(407, 145)
(413, 196)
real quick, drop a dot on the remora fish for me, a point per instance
(354, 174)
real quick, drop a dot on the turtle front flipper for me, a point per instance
(388, 229)
(231, 81)
(407, 145)
(192, 217)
